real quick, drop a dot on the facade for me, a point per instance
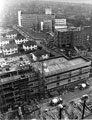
(11, 34)
(77, 36)
(30, 46)
(63, 37)
(59, 72)
(20, 39)
(60, 23)
(10, 49)
(18, 81)
(35, 20)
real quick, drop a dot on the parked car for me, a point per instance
(83, 86)
(55, 101)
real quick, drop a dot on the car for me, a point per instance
(83, 86)
(55, 101)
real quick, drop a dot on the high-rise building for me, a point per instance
(35, 21)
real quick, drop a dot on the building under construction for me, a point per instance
(20, 79)
(60, 72)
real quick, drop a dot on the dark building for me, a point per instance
(75, 37)
(63, 37)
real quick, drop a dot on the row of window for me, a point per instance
(66, 81)
(66, 75)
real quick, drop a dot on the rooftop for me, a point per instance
(28, 43)
(4, 39)
(20, 37)
(11, 64)
(39, 53)
(12, 32)
(81, 47)
(10, 46)
(61, 64)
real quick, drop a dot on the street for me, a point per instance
(76, 94)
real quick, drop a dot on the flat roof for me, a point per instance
(13, 63)
(61, 64)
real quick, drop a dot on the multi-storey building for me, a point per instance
(36, 21)
(18, 81)
(59, 72)
(76, 37)
(63, 37)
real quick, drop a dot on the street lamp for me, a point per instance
(60, 111)
(84, 99)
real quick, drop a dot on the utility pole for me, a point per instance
(84, 99)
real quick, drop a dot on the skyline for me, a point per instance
(72, 1)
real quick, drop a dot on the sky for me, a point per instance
(73, 1)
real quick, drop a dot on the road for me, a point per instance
(76, 94)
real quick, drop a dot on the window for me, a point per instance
(31, 84)
(58, 77)
(57, 83)
(69, 80)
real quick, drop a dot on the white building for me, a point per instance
(4, 41)
(10, 49)
(29, 45)
(20, 39)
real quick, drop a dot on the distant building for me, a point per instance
(35, 20)
(60, 23)
(29, 46)
(48, 11)
(75, 36)
(63, 37)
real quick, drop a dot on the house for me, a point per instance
(12, 34)
(10, 49)
(29, 45)
(39, 55)
(20, 39)
(4, 41)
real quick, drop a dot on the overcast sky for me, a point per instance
(73, 1)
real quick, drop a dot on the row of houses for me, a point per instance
(12, 45)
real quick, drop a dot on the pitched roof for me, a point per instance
(10, 46)
(20, 37)
(29, 43)
(39, 53)
(12, 32)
